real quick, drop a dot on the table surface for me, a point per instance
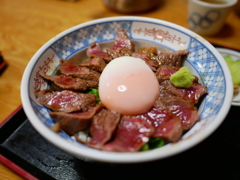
(27, 25)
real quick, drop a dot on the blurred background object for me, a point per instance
(131, 6)
(207, 17)
(238, 7)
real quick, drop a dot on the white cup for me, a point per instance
(207, 18)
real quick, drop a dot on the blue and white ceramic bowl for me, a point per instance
(203, 60)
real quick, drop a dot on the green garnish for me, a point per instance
(152, 144)
(234, 67)
(95, 92)
(182, 78)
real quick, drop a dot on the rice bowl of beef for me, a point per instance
(101, 41)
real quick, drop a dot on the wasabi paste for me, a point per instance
(182, 78)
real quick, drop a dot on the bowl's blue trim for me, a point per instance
(211, 74)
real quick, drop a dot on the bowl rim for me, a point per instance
(113, 157)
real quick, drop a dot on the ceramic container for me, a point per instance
(203, 60)
(208, 17)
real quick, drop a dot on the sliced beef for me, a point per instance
(181, 101)
(191, 94)
(132, 133)
(70, 69)
(72, 123)
(91, 83)
(156, 61)
(164, 72)
(181, 108)
(172, 59)
(69, 83)
(94, 50)
(65, 101)
(151, 52)
(123, 45)
(147, 60)
(123, 41)
(167, 125)
(96, 63)
(115, 53)
(102, 128)
(148, 54)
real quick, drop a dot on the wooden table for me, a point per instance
(26, 25)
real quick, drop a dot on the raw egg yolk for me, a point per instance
(128, 86)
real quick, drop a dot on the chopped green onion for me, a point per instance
(152, 144)
(95, 92)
